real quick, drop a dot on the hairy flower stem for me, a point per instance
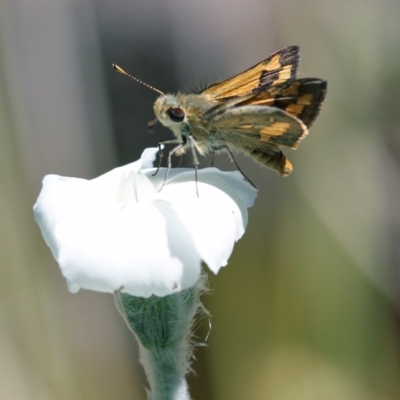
(164, 373)
(163, 327)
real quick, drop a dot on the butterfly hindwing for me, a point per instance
(259, 123)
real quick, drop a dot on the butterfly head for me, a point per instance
(170, 112)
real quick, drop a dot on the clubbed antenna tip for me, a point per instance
(122, 72)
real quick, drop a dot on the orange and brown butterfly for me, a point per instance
(255, 112)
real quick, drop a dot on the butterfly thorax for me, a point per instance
(184, 115)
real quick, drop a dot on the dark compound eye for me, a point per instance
(176, 114)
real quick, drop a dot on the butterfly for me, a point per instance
(256, 112)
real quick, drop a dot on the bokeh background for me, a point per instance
(308, 307)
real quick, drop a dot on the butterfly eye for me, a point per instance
(176, 114)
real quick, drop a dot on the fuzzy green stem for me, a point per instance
(162, 326)
(165, 374)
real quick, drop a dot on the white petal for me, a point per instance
(218, 217)
(102, 245)
(57, 198)
(118, 232)
(147, 158)
(232, 183)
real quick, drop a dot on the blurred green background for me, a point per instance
(308, 307)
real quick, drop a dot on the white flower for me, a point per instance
(118, 232)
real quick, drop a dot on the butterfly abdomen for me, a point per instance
(270, 158)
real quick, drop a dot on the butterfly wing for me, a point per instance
(260, 124)
(280, 67)
(261, 109)
(258, 131)
(301, 98)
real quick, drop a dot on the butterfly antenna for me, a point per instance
(121, 71)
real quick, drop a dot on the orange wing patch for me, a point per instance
(302, 99)
(297, 108)
(280, 67)
(275, 129)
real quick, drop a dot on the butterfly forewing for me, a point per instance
(280, 67)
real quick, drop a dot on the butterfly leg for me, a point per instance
(195, 160)
(170, 154)
(213, 158)
(225, 147)
(161, 153)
